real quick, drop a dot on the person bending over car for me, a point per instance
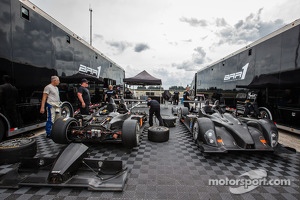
(154, 108)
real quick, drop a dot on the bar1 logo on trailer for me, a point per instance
(237, 75)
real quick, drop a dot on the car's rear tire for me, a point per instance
(130, 133)
(61, 130)
(158, 134)
(13, 150)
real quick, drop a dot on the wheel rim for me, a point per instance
(65, 111)
(15, 142)
(264, 114)
(195, 131)
(69, 134)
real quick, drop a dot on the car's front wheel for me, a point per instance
(196, 131)
(62, 130)
(130, 133)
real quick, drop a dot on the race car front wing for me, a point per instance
(69, 169)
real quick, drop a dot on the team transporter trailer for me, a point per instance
(34, 47)
(266, 72)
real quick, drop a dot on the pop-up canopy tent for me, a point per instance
(143, 78)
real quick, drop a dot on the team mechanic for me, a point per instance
(154, 108)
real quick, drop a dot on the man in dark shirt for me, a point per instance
(186, 97)
(84, 97)
(154, 108)
(128, 94)
(176, 97)
(110, 93)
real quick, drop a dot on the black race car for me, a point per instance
(110, 123)
(215, 131)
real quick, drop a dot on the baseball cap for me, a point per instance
(84, 80)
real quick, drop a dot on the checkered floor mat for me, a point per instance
(176, 169)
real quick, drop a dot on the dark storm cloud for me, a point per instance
(247, 30)
(120, 46)
(141, 47)
(193, 21)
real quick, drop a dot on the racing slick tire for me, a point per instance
(130, 133)
(13, 150)
(66, 110)
(60, 130)
(183, 111)
(196, 129)
(158, 134)
(169, 121)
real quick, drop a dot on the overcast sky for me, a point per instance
(171, 39)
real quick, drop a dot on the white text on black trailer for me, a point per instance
(34, 46)
(268, 69)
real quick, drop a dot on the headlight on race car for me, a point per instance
(210, 137)
(274, 138)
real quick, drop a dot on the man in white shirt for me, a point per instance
(51, 101)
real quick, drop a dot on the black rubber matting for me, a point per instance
(175, 169)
